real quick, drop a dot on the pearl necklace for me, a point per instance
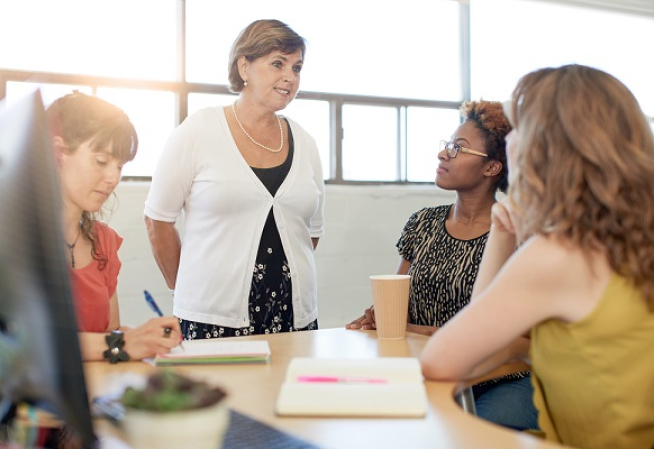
(281, 133)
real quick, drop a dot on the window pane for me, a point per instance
(201, 101)
(118, 38)
(562, 34)
(354, 47)
(152, 113)
(370, 146)
(313, 116)
(49, 92)
(426, 127)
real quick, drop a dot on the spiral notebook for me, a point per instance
(219, 350)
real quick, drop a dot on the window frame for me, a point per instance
(181, 89)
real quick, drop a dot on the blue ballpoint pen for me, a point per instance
(153, 305)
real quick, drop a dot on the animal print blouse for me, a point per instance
(443, 270)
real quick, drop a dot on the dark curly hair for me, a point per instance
(489, 118)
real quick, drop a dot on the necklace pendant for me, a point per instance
(71, 248)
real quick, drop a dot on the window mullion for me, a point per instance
(336, 139)
(181, 96)
(402, 144)
(464, 39)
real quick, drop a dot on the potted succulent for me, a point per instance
(174, 411)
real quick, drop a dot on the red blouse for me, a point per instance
(93, 288)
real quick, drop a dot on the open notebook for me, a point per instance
(219, 350)
(381, 387)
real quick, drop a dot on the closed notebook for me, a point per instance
(381, 387)
(219, 350)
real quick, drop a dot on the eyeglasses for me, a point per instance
(453, 149)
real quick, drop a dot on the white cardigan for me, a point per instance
(202, 172)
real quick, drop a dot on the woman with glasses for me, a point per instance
(441, 248)
(580, 211)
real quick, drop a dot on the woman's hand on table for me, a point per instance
(365, 322)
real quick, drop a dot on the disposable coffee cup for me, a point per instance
(390, 294)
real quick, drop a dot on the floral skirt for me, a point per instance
(270, 307)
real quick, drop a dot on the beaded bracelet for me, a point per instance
(115, 342)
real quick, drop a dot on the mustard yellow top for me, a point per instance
(594, 379)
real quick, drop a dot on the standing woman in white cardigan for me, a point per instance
(250, 186)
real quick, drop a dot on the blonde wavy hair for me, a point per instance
(585, 167)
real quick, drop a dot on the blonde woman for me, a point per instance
(581, 284)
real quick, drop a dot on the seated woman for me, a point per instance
(92, 140)
(581, 210)
(441, 249)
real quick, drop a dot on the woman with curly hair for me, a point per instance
(581, 284)
(92, 140)
(441, 249)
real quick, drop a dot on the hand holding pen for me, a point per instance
(153, 305)
(151, 338)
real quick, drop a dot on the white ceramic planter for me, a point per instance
(198, 429)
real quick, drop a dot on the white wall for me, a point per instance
(362, 226)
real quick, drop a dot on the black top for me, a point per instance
(273, 177)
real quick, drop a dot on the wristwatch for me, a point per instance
(115, 352)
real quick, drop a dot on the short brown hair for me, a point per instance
(258, 39)
(489, 118)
